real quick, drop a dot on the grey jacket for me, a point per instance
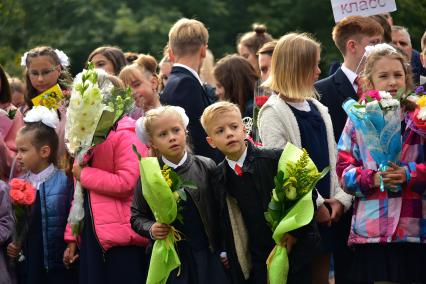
(6, 228)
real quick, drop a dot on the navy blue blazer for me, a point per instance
(183, 89)
(334, 90)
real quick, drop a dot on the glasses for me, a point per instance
(43, 73)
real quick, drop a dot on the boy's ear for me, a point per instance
(203, 51)
(171, 54)
(211, 142)
(45, 151)
(351, 46)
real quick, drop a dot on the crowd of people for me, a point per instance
(223, 126)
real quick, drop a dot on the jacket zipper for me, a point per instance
(45, 233)
(93, 227)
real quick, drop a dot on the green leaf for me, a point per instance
(189, 184)
(368, 99)
(182, 194)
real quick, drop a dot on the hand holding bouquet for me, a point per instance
(291, 205)
(377, 122)
(22, 195)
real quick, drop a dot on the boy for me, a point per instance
(187, 48)
(244, 183)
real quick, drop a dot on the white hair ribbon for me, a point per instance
(48, 117)
(63, 58)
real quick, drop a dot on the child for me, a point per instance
(386, 232)
(249, 43)
(188, 40)
(46, 67)
(294, 115)
(140, 76)
(110, 252)
(109, 58)
(235, 82)
(17, 89)
(9, 126)
(6, 229)
(44, 244)
(244, 183)
(164, 129)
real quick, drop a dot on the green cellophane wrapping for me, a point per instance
(300, 214)
(160, 199)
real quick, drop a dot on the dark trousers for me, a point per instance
(343, 255)
(118, 265)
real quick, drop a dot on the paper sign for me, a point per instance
(344, 8)
(50, 98)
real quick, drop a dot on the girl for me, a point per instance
(44, 244)
(17, 89)
(110, 252)
(142, 79)
(292, 114)
(6, 229)
(249, 43)
(386, 229)
(46, 67)
(109, 58)
(164, 128)
(235, 82)
(10, 122)
(165, 69)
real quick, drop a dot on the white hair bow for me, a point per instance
(48, 117)
(143, 134)
(63, 58)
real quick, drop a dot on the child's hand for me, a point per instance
(395, 175)
(13, 250)
(322, 216)
(336, 209)
(70, 255)
(159, 231)
(76, 171)
(288, 241)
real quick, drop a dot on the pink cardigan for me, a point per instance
(110, 182)
(7, 143)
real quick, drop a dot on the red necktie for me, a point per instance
(238, 170)
(358, 82)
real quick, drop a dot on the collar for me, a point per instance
(37, 179)
(190, 70)
(240, 161)
(173, 165)
(351, 75)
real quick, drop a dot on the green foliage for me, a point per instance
(79, 26)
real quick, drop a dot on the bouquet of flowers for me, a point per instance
(95, 107)
(417, 119)
(22, 195)
(291, 205)
(162, 190)
(177, 186)
(377, 122)
(261, 96)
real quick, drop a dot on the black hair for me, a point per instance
(5, 96)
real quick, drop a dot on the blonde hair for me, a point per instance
(155, 113)
(292, 64)
(216, 109)
(187, 36)
(206, 70)
(145, 63)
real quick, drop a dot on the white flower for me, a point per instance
(422, 114)
(24, 59)
(385, 95)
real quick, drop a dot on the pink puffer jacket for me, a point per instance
(110, 182)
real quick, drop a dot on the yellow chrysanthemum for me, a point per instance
(422, 101)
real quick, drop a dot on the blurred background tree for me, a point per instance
(79, 26)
